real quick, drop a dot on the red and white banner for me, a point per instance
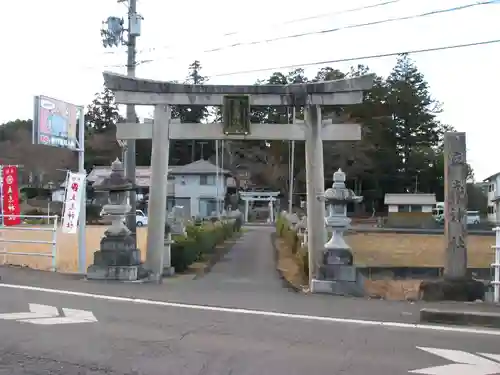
(75, 184)
(10, 196)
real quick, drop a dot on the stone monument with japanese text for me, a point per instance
(457, 284)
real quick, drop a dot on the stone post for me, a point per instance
(157, 206)
(315, 186)
(455, 196)
(457, 285)
(271, 210)
(246, 210)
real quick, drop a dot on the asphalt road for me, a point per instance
(236, 320)
(135, 338)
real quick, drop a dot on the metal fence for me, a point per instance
(26, 227)
(496, 267)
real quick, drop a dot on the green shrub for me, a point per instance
(292, 240)
(281, 224)
(200, 240)
(290, 236)
(34, 212)
(238, 223)
(183, 252)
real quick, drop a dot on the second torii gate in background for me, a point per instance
(236, 102)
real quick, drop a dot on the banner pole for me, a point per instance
(82, 256)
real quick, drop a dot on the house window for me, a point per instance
(416, 208)
(404, 208)
(207, 180)
(491, 187)
(491, 209)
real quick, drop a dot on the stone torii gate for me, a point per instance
(236, 102)
(259, 196)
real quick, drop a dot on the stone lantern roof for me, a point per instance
(116, 181)
(339, 193)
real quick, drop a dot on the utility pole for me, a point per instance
(112, 36)
(130, 165)
(291, 164)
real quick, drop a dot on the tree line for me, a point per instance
(401, 149)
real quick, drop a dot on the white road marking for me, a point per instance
(72, 316)
(464, 363)
(36, 311)
(49, 315)
(328, 319)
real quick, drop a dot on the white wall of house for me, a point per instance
(410, 208)
(202, 191)
(408, 202)
(493, 194)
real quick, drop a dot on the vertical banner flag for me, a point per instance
(75, 184)
(10, 196)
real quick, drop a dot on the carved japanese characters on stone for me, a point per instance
(457, 158)
(457, 214)
(458, 193)
(457, 242)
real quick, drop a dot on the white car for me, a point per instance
(140, 218)
(473, 217)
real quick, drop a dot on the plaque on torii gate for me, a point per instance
(236, 115)
(237, 100)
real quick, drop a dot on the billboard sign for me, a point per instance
(55, 123)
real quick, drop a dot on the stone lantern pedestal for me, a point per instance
(337, 274)
(117, 258)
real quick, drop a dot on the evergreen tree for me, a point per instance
(413, 128)
(102, 114)
(184, 151)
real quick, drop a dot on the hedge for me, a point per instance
(293, 242)
(201, 240)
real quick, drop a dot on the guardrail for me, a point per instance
(496, 267)
(32, 228)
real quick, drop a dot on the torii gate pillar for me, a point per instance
(315, 187)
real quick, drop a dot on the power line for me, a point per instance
(327, 31)
(347, 59)
(337, 13)
(368, 57)
(297, 20)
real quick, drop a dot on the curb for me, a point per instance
(463, 318)
(286, 284)
(217, 257)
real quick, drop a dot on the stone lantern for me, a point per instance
(118, 258)
(337, 261)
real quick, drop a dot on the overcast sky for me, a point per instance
(53, 48)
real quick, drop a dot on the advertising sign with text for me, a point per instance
(55, 123)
